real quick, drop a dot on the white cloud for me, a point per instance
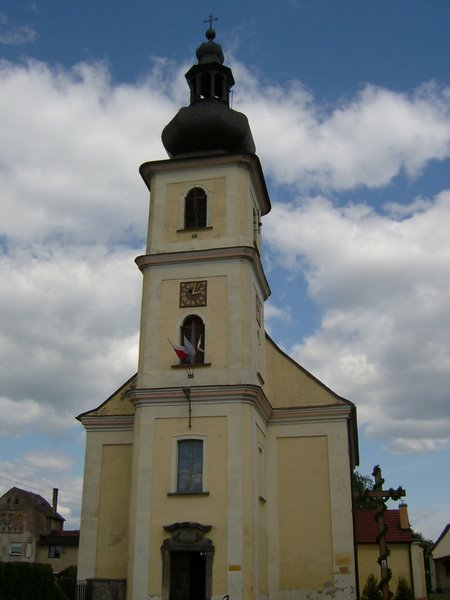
(40, 472)
(384, 287)
(365, 141)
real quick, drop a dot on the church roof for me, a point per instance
(366, 528)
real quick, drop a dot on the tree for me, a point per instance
(371, 590)
(361, 484)
(403, 591)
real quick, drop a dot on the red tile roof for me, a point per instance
(366, 527)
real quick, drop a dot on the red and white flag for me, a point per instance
(185, 353)
(180, 351)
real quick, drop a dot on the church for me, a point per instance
(222, 468)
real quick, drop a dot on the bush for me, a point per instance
(403, 592)
(68, 582)
(25, 581)
(371, 590)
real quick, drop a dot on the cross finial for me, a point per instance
(210, 19)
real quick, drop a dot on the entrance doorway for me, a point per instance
(187, 558)
(187, 576)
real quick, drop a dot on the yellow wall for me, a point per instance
(174, 206)
(112, 541)
(214, 315)
(398, 562)
(208, 510)
(286, 382)
(306, 560)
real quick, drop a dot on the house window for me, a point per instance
(15, 549)
(190, 466)
(193, 329)
(195, 209)
(54, 551)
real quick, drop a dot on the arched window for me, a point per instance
(195, 209)
(219, 86)
(193, 329)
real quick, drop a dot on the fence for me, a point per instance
(82, 590)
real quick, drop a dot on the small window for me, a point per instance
(190, 466)
(193, 329)
(15, 549)
(54, 551)
(195, 209)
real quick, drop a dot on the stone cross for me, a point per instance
(380, 497)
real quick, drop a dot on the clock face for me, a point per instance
(192, 293)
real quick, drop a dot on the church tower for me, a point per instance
(222, 467)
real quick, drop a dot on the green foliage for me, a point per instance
(403, 592)
(361, 484)
(23, 581)
(68, 582)
(371, 591)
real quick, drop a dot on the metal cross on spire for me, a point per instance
(210, 19)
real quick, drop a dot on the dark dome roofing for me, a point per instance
(208, 124)
(210, 51)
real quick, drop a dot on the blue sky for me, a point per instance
(349, 107)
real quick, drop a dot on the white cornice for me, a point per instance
(250, 161)
(102, 423)
(210, 254)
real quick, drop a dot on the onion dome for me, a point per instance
(208, 124)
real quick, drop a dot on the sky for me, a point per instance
(349, 106)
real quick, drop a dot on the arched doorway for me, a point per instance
(187, 562)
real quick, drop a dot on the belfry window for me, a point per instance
(193, 329)
(190, 466)
(195, 209)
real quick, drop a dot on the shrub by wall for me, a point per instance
(26, 581)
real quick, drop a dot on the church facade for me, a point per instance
(222, 467)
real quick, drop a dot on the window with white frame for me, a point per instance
(15, 549)
(189, 466)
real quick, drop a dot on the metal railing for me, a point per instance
(82, 590)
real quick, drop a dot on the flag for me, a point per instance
(180, 351)
(189, 349)
(199, 345)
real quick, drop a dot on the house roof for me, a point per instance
(443, 534)
(36, 501)
(443, 542)
(366, 528)
(70, 537)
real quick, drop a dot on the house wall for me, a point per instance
(398, 562)
(68, 558)
(443, 548)
(418, 568)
